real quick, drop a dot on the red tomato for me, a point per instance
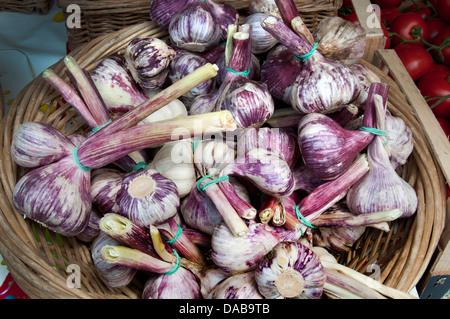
(388, 4)
(443, 9)
(435, 25)
(440, 67)
(386, 35)
(445, 33)
(421, 9)
(389, 15)
(351, 17)
(416, 60)
(436, 84)
(404, 25)
(445, 124)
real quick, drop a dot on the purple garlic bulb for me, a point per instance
(290, 270)
(92, 230)
(163, 11)
(195, 28)
(322, 86)
(280, 141)
(148, 60)
(179, 285)
(366, 77)
(239, 286)
(267, 170)
(115, 276)
(262, 41)
(185, 63)
(148, 198)
(250, 102)
(35, 144)
(69, 210)
(400, 145)
(116, 85)
(239, 254)
(105, 184)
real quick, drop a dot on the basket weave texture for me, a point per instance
(26, 6)
(104, 16)
(38, 258)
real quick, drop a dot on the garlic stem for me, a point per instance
(82, 81)
(267, 208)
(279, 214)
(127, 233)
(291, 17)
(102, 150)
(69, 95)
(345, 287)
(160, 247)
(229, 215)
(232, 29)
(133, 258)
(348, 219)
(171, 231)
(242, 207)
(161, 99)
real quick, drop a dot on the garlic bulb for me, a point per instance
(381, 188)
(92, 230)
(248, 101)
(116, 85)
(200, 212)
(400, 145)
(268, 171)
(148, 198)
(194, 28)
(35, 144)
(115, 276)
(179, 285)
(174, 109)
(280, 141)
(290, 270)
(174, 160)
(105, 184)
(322, 85)
(65, 215)
(163, 11)
(148, 60)
(239, 286)
(185, 63)
(262, 41)
(211, 156)
(239, 254)
(340, 40)
(268, 7)
(279, 71)
(338, 240)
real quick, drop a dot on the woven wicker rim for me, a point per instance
(403, 253)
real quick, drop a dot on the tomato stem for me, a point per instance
(440, 100)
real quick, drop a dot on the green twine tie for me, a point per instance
(376, 132)
(306, 56)
(139, 166)
(77, 160)
(177, 235)
(207, 184)
(243, 73)
(177, 265)
(303, 219)
(98, 128)
(195, 144)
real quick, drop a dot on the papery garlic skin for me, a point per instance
(35, 144)
(105, 184)
(174, 109)
(114, 276)
(400, 141)
(239, 286)
(211, 156)
(290, 270)
(174, 160)
(61, 200)
(116, 85)
(340, 40)
(179, 285)
(148, 198)
(239, 254)
(92, 230)
(194, 28)
(163, 11)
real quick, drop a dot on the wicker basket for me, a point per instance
(100, 17)
(38, 258)
(26, 6)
